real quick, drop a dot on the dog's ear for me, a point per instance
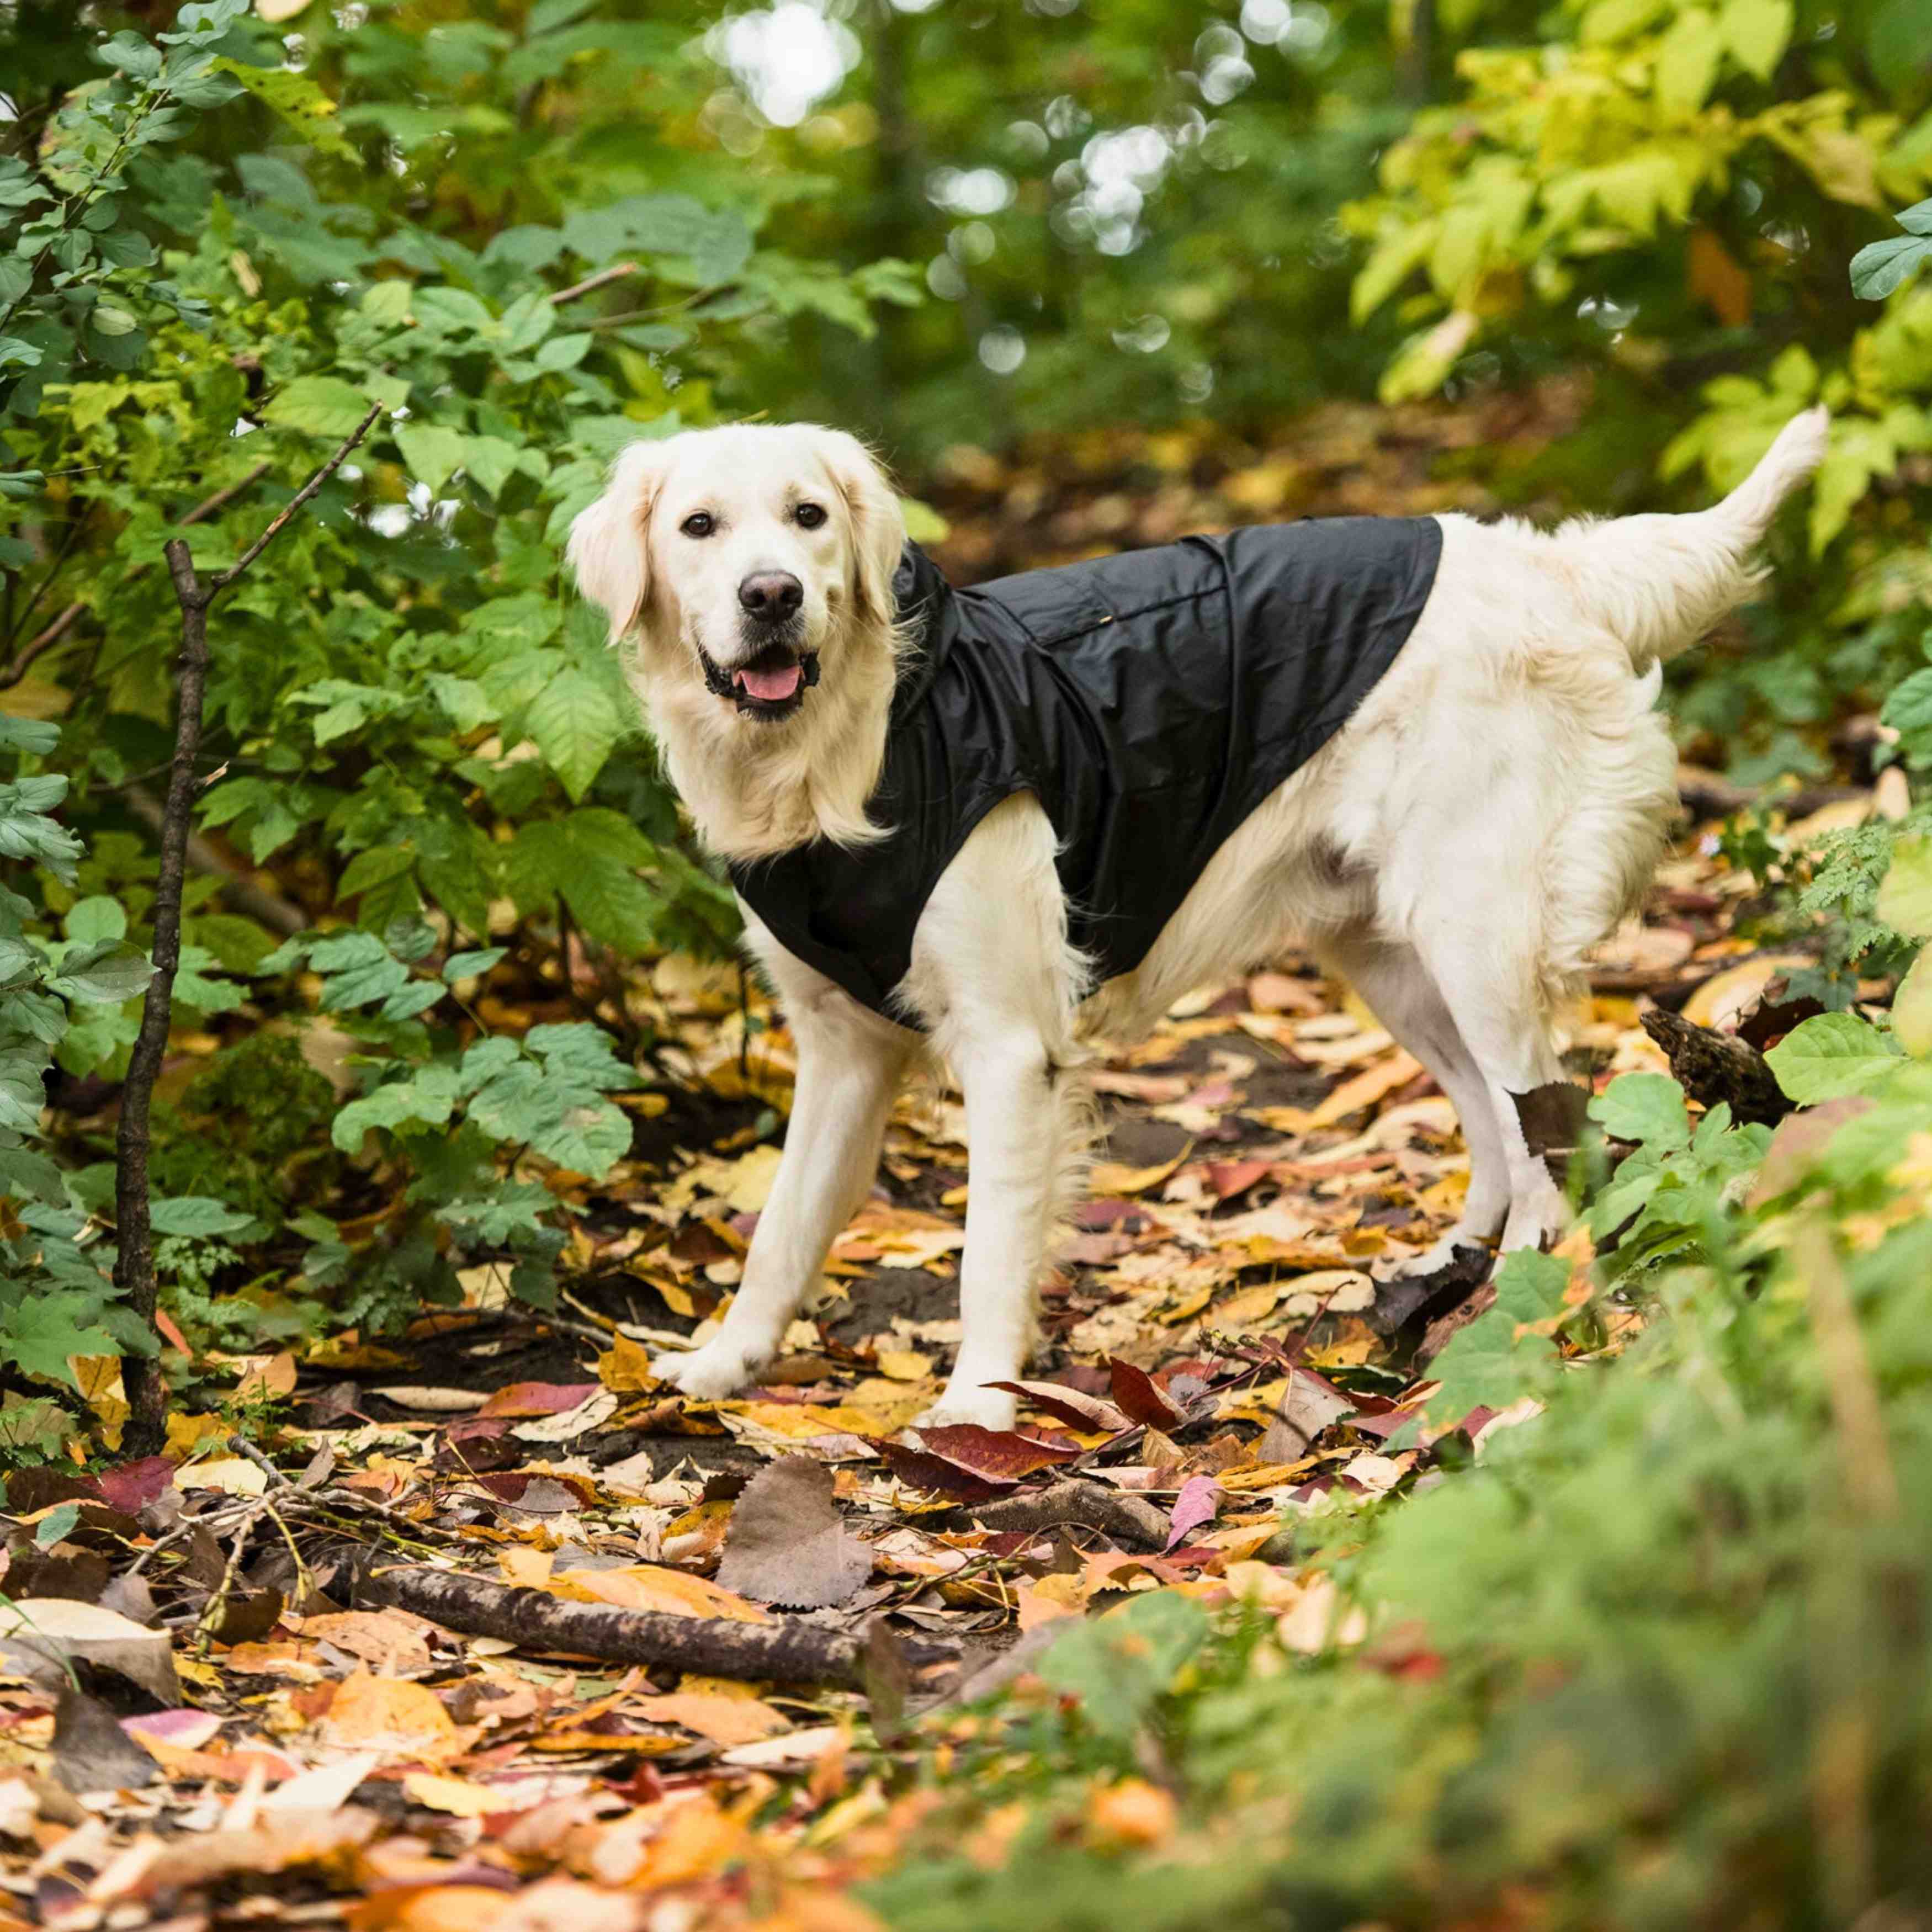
(878, 524)
(609, 549)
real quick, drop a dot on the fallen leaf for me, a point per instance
(391, 1715)
(92, 1753)
(650, 1586)
(723, 1720)
(786, 1544)
(40, 1635)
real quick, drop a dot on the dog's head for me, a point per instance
(746, 557)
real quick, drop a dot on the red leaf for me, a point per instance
(1199, 1498)
(538, 1398)
(1078, 1411)
(1142, 1397)
(1098, 1215)
(132, 1487)
(995, 1455)
(934, 1472)
(1228, 1178)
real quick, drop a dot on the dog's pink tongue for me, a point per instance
(772, 687)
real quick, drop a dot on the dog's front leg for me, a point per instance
(1018, 1139)
(849, 1070)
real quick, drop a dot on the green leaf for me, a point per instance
(104, 973)
(1885, 267)
(576, 727)
(1831, 1055)
(1644, 1107)
(43, 1330)
(93, 920)
(197, 1214)
(296, 99)
(1121, 1665)
(1908, 710)
(433, 453)
(318, 406)
(1757, 32)
(1686, 63)
(472, 965)
(1912, 1008)
(28, 734)
(1905, 893)
(427, 1099)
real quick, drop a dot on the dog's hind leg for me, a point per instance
(1489, 980)
(850, 1067)
(1392, 978)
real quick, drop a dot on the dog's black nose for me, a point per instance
(771, 594)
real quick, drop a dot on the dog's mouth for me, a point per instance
(771, 684)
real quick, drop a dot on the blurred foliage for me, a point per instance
(1657, 1658)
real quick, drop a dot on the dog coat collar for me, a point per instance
(1150, 701)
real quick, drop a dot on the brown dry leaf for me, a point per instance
(391, 1642)
(38, 1635)
(786, 1544)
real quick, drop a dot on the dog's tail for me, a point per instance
(1661, 582)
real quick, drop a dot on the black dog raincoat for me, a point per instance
(1150, 701)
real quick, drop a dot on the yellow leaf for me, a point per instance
(234, 1475)
(625, 1366)
(457, 1795)
(724, 1721)
(390, 1714)
(904, 1365)
(1912, 1009)
(1365, 1089)
(186, 1434)
(1109, 1178)
(651, 1586)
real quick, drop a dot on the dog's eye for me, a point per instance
(809, 516)
(699, 523)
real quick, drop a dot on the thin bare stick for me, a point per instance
(615, 273)
(222, 579)
(134, 1264)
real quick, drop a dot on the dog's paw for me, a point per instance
(1431, 1260)
(986, 1407)
(709, 1374)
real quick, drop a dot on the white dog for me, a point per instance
(1486, 814)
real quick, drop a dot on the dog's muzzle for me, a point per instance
(771, 684)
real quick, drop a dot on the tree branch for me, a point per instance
(615, 273)
(790, 1651)
(222, 579)
(134, 1263)
(64, 622)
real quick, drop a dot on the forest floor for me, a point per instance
(219, 1705)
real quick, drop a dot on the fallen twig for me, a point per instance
(784, 1652)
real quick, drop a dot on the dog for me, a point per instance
(1470, 821)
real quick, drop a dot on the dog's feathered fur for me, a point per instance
(1492, 809)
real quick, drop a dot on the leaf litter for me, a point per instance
(266, 1721)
